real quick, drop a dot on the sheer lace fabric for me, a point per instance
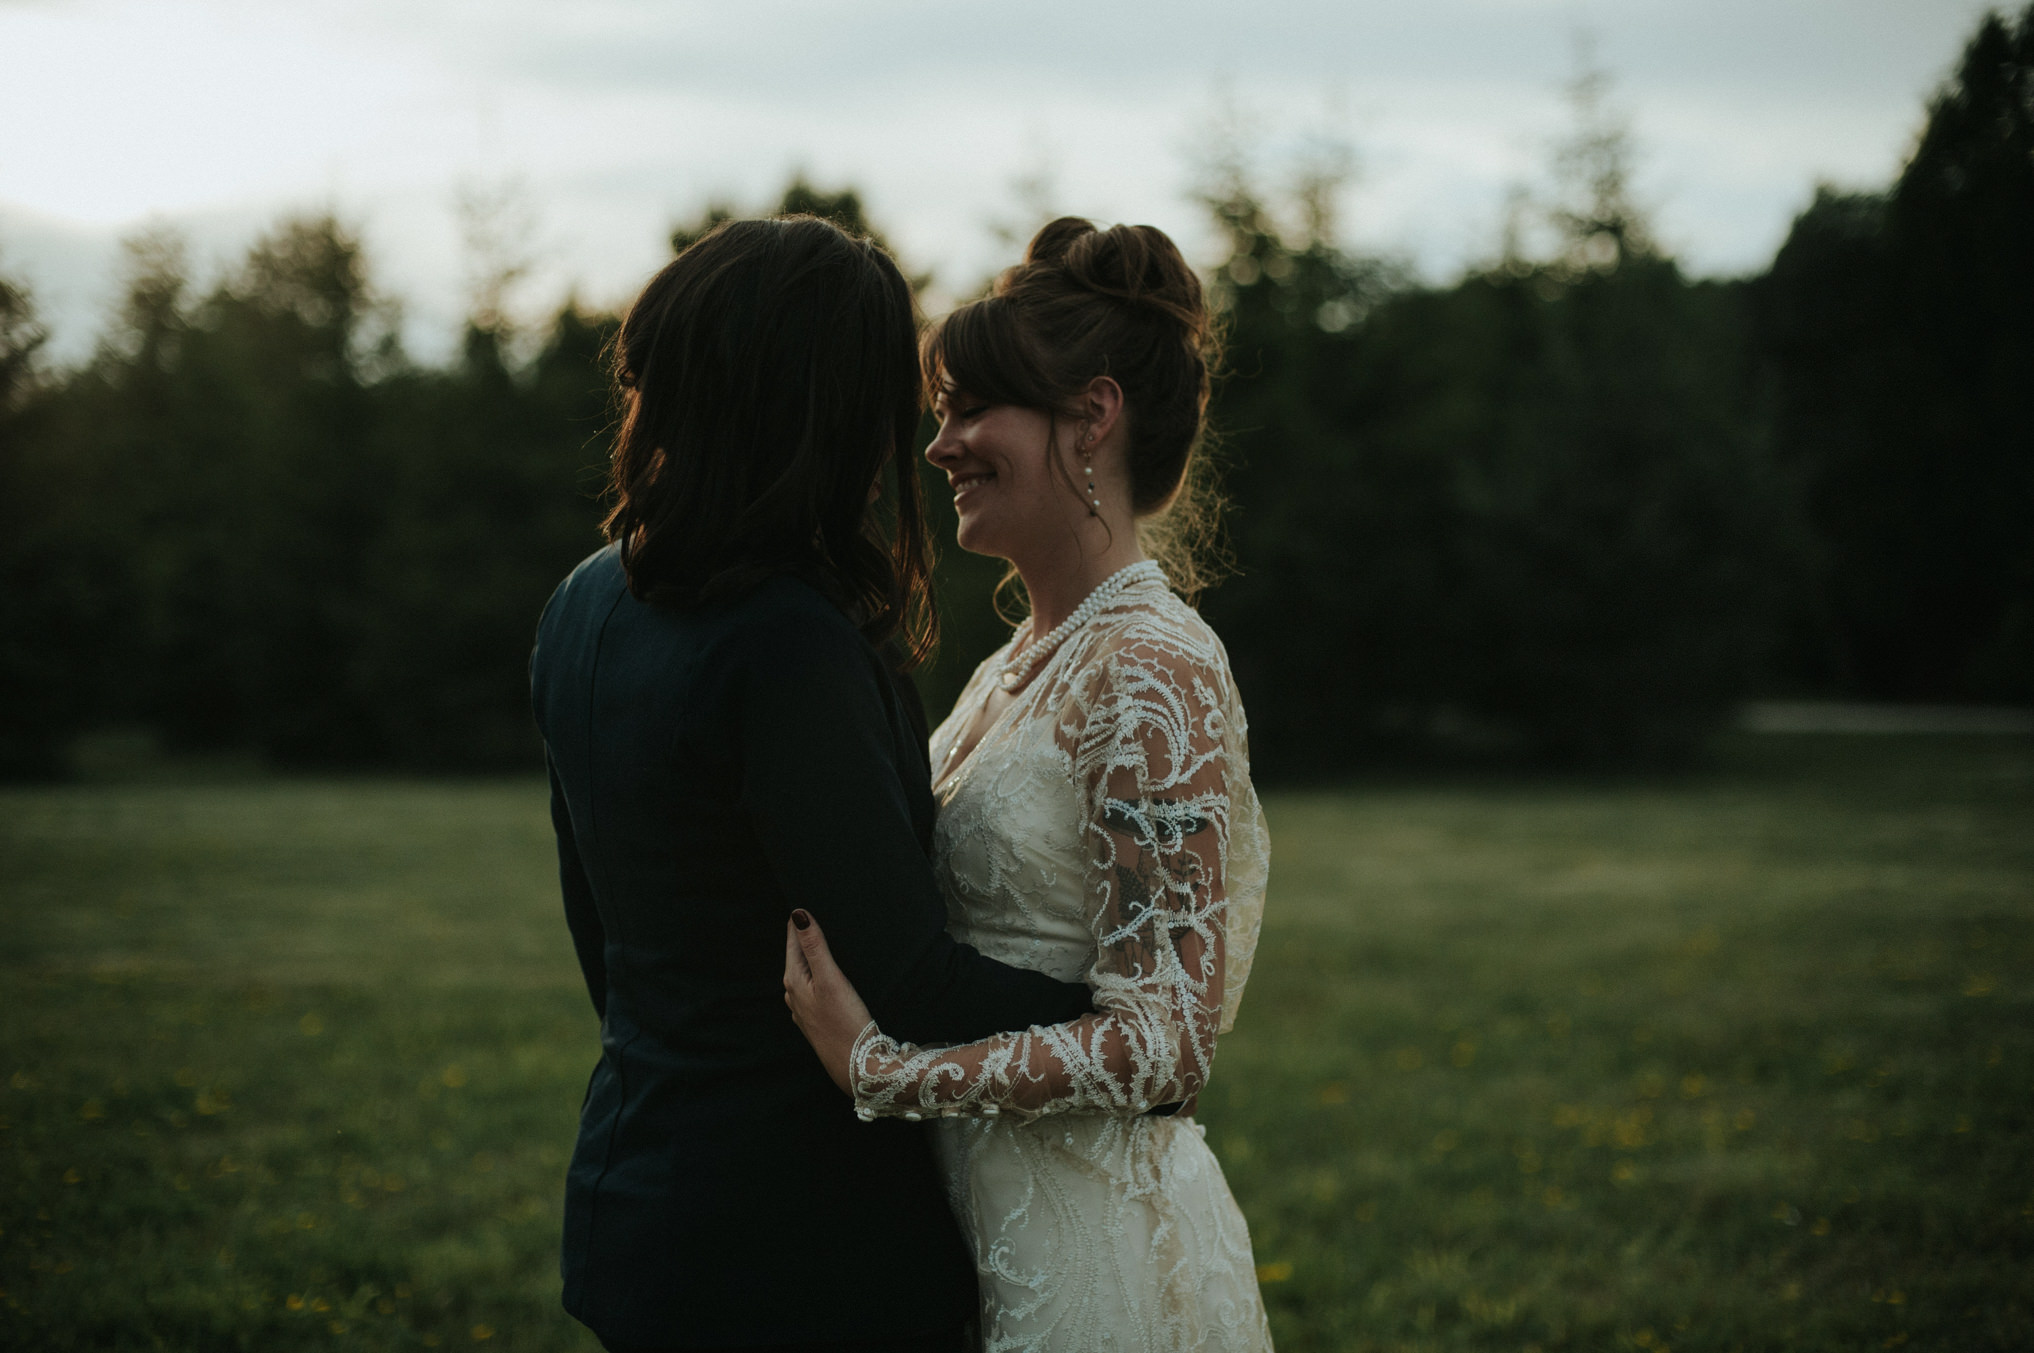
(1103, 828)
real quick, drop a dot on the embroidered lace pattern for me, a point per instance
(1104, 828)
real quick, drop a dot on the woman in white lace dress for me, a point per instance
(1096, 821)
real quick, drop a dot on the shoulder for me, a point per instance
(597, 575)
(1153, 668)
(1153, 636)
(786, 615)
(1153, 696)
(579, 605)
(786, 635)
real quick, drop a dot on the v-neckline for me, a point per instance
(947, 774)
(956, 765)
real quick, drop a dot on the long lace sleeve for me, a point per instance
(1153, 741)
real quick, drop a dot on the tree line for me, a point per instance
(1572, 507)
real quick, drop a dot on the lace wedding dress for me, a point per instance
(1104, 829)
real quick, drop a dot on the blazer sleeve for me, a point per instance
(589, 938)
(824, 792)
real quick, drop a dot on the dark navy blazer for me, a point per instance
(711, 769)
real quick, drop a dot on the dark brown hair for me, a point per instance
(769, 375)
(1121, 303)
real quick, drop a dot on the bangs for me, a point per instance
(981, 349)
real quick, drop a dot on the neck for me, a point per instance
(1059, 580)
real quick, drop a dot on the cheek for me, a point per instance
(1050, 500)
(1033, 487)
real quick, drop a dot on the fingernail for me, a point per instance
(801, 918)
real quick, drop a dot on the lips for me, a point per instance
(961, 484)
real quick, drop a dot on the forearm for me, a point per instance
(949, 992)
(1120, 1063)
(833, 814)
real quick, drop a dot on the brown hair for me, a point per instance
(770, 375)
(1121, 303)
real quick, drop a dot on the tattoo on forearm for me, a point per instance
(1138, 892)
(1139, 817)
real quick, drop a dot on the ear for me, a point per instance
(1101, 408)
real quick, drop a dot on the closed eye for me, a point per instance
(952, 403)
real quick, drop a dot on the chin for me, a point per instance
(977, 537)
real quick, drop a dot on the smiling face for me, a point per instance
(997, 459)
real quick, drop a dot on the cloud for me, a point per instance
(811, 53)
(622, 115)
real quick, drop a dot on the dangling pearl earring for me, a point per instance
(1087, 460)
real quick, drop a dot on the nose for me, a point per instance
(945, 448)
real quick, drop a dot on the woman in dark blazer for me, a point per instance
(726, 745)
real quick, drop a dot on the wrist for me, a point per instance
(845, 1065)
(856, 1056)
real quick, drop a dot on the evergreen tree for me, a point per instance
(843, 207)
(1526, 514)
(490, 498)
(1896, 326)
(40, 701)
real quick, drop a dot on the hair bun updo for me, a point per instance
(1121, 303)
(1137, 265)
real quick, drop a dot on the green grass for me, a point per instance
(1738, 1061)
(293, 1065)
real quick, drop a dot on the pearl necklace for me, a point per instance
(1019, 668)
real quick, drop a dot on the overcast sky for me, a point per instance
(603, 121)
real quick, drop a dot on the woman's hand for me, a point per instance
(824, 1004)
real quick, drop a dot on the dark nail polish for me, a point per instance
(801, 918)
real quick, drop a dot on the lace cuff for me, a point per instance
(884, 1070)
(1102, 1064)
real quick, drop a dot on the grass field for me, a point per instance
(1738, 1061)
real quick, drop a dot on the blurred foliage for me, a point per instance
(270, 531)
(1896, 326)
(1531, 513)
(41, 618)
(1569, 508)
(843, 207)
